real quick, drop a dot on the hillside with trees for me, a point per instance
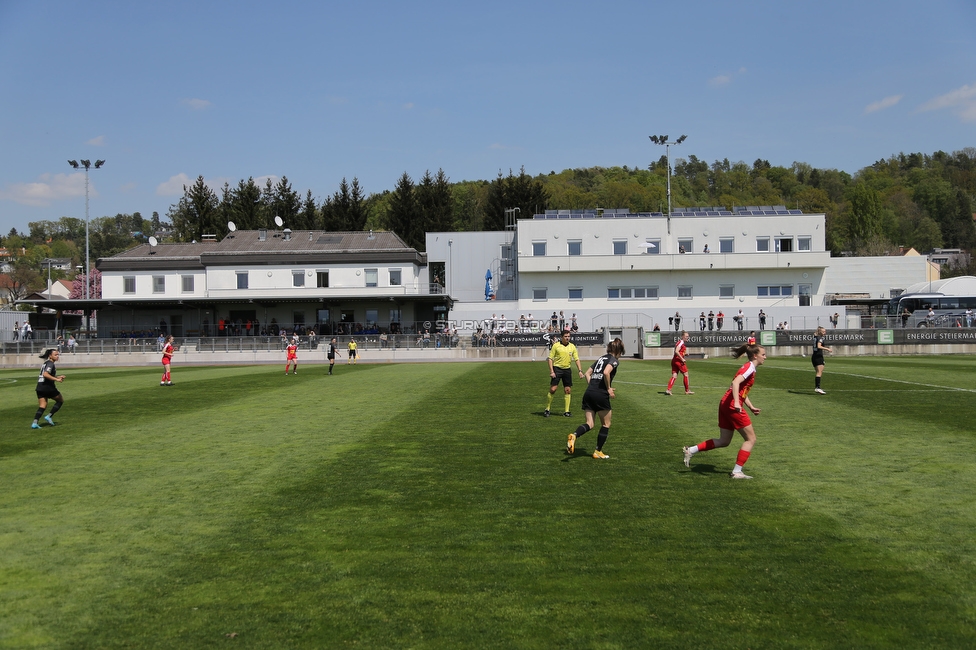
(922, 201)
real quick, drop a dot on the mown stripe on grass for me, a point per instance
(459, 523)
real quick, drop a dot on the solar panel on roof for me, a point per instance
(796, 211)
(782, 212)
(724, 213)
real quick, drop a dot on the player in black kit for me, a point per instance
(596, 399)
(46, 388)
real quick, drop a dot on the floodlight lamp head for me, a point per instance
(86, 164)
(73, 163)
(681, 139)
(99, 163)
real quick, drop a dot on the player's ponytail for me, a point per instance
(616, 348)
(46, 354)
(748, 349)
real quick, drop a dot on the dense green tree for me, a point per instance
(245, 206)
(864, 222)
(403, 212)
(435, 204)
(523, 192)
(196, 213)
(346, 210)
(308, 216)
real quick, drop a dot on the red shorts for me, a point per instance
(292, 357)
(731, 419)
(679, 366)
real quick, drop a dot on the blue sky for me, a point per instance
(171, 90)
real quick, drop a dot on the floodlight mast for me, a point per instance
(663, 140)
(87, 164)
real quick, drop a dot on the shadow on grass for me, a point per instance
(705, 468)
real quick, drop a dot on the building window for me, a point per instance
(187, 283)
(632, 293)
(726, 291)
(575, 247)
(372, 277)
(762, 244)
(298, 278)
(686, 245)
(322, 279)
(129, 284)
(805, 291)
(159, 284)
(685, 293)
(620, 247)
(803, 243)
(784, 244)
(242, 279)
(576, 293)
(394, 277)
(539, 294)
(538, 249)
(775, 290)
(372, 316)
(726, 245)
(652, 246)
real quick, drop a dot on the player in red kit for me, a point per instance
(167, 357)
(678, 364)
(292, 351)
(732, 414)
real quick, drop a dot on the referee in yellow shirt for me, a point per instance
(561, 356)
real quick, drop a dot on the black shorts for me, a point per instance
(596, 400)
(562, 374)
(817, 358)
(331, 357)
(49, 392)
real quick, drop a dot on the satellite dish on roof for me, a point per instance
(279, 222)
(153, 241)
(231, 226)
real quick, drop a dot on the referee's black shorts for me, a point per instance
(564, 375)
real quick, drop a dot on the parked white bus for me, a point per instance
(942, 303)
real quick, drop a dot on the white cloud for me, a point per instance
(196, 104)
(887, 102)
(408, 106)
(97, 142)
(174, 186)
(725, 79)
(963, 100)
(46, 189)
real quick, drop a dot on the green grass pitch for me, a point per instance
(432, 506)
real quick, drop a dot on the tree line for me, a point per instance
(922, 201)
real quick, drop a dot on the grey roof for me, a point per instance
(270, 247)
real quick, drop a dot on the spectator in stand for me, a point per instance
(762, 320)
(677, 322)
(573, 326)
(701, 321)
(16, 330)
(719, 320)
(711, 319)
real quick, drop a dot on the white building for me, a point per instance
(335, 282)
(616, 269)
